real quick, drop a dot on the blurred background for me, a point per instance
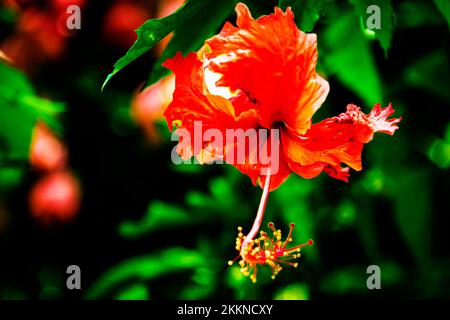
(86, 176)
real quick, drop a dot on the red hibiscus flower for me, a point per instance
(268, 67)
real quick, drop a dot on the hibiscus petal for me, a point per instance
(273, 62)
(331, 142)
(308, 171)
(378, 119)
(366, 125)
(337, 172)
(190, 103)
(193, 105)
(279, 169)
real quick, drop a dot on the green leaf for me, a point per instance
(345, 214)
(204, 280)
(205, 22)
(198, 199)
(384, 33)
(412, 212)
(19, 110)
(346, 280)
(145, 268)
(14, 135)
(353, 279)
(159, 216)
(429, 67)
(154, 30)
(9, 177)
(411, 14)
(8, 15)
(294, 291)
(347, 55)
(444, 8)
(221, 198)
(306, 12)
(293, 198)
(242, 288)
(134, 292)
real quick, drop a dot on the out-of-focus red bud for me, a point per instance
(120, 22)
(12, 4)
(55, 197)
(41, 28)
(3, 217)
(47, 152)
(62, 5)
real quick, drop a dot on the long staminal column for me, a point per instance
(245, 247)
(264, 250)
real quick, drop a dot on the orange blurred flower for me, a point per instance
(47, 152)
(148, 106)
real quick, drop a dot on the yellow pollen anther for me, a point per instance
(265, 250)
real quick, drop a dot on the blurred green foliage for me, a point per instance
(159, 216)
(386, 19)
(294, 291)
(342, 39)
(149, 267)
(19, 110)
(444, 8)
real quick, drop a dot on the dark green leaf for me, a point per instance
(154, 30)
(439, 153)
(306, 12)
(159, 216)
(410, 14)
(444, 8)
(412, 211)
(145, 268)
(430, 67)
(293, 198)
(9, 177)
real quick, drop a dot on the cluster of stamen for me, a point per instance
(266, 250)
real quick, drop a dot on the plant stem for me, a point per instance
(259, 216)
